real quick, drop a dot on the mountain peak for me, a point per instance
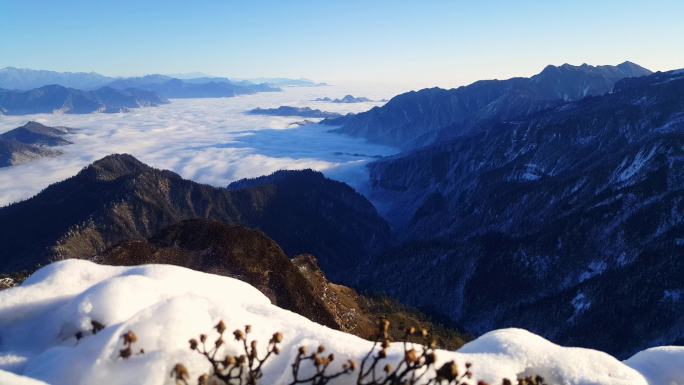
(634, 69)
(32, 124)
(115, 166)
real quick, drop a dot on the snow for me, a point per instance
(166, 305)
(662, 365)
(581, 303)
(637, 164)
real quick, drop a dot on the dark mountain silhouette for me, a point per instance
(55, 98)
(565, 220)
(419, 118)
(334, 213)
(119, 198)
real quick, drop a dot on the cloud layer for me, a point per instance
(207, 140)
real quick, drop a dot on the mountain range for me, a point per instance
(553, 203)
(56, 98)
(169, 87)
(422, 117)
(26, 79)
(24, 91)
(567, 221)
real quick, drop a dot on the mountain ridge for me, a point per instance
(120, 198)
(562, 204)
(56, 98)
(418, 118)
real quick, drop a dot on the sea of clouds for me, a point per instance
(210, 141)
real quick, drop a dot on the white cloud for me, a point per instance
(207, 140)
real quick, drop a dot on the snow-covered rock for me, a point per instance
(166, 305)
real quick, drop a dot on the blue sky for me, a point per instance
(418, 43)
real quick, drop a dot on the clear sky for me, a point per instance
(417, 43)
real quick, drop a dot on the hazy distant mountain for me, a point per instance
(37, 134)
(200, 86)
(420, 117)
(28, 142)
(191, 88)
(25, 79)
(54, 98)
(286, 82)
(345, 99)
(306, 112)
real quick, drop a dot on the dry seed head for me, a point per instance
(277, 337)
(229, 361)
(221, 327)
(193, 344)
(388, 368)
(321, 349)
(411, 356)
(248, 329)
(129, 337)
(239, 335)
(203, 338)
(203, 379)
(302, 350)
(448, 371)
(384, 325)
(179, 372)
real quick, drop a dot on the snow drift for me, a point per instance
(167, 305)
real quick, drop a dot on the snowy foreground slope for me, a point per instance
(166, 305)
